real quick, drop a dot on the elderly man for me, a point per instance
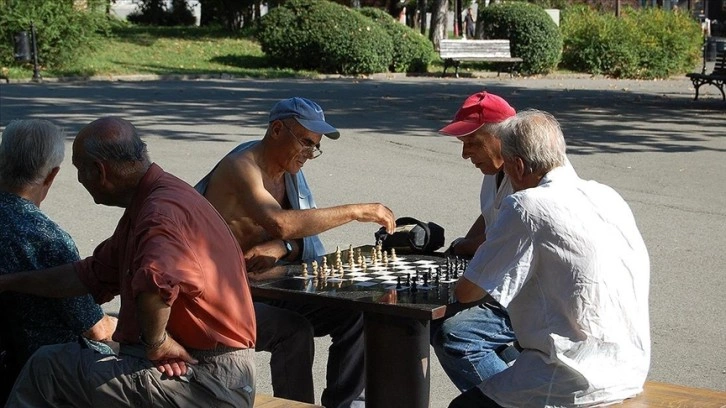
(179, 273)
(260, 190)
(475, 343)
(31, 153)
(566, 259)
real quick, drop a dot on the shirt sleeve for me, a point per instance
(99, 272)
(165, 263)
(79, 313)
(501, 265)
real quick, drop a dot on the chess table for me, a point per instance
(397, 317)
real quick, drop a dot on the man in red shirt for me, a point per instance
(179, 272)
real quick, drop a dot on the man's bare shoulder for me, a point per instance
(239, 164)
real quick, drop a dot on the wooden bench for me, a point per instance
(455, 51)
(662, 395)
(268, 401)
(716, 78)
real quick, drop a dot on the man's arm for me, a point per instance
(245, 180)
(169, 356)
(468, 245)
(60, 281)
(466, 291)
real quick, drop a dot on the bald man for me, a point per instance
(178, 270)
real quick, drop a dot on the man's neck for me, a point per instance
(33, 193)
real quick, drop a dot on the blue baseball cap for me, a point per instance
(308, 113)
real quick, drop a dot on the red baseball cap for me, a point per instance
(478, 110)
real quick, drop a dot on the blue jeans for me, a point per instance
(467, 344)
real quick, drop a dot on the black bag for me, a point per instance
(412, 236)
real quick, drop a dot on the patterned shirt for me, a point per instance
(29, 240)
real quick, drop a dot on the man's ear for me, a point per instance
(102, 170)
(51, 176)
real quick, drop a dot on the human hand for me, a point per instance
(378, 213)
(170, 358)
(264, 256)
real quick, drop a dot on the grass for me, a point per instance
(134, 50)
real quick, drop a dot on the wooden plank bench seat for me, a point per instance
(662, 395)
(455, 51)
(268, 401)
(716, 78)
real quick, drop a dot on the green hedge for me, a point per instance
(533, 35)
(645, 43)
(324, 36)
(412, 52)
(63, 33)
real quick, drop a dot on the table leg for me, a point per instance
(397, 362)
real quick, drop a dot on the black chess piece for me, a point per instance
(414, 288)
(447, 273)
(436, 280)
(398, 282)
(426, 279)
(408, 279)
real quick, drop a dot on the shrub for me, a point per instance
(647, 43)
(63, 33)
(533, 35)
(324, 36)
(412, 52)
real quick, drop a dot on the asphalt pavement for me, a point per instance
(662, 151)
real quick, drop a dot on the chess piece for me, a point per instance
(398, 282)
(426, 279)
(393, 255)
(314, 265)
(304, 270)
(325, 264)
(414, 288)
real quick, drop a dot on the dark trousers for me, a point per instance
(286, 330)
(473, 398)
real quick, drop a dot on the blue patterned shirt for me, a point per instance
(29, 240)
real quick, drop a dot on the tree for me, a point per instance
(439, 16)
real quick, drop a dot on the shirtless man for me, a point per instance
(252, 188)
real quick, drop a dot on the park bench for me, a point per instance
(268, 401)
(662, 395)
(455, 51)
(716, 78)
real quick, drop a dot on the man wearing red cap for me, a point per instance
(475, 343)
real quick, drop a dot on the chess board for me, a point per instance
(371, 267)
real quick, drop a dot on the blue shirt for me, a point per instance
(29, 240)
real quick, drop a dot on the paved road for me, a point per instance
(663, 152)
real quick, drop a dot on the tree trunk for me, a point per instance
(438, 22)
(421, 10)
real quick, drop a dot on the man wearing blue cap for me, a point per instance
(261, 192)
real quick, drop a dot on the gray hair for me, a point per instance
(118, 151)
(29, 150)
(535, 137)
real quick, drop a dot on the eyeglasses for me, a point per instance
(311, 151)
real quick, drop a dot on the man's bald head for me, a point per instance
(111, 139)
(111, 159)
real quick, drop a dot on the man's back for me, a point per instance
(578, 298)
(29, 240)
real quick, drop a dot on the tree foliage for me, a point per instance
(63, 32)
(324, 36)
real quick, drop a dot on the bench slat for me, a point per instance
(662, 395)
(268, 401)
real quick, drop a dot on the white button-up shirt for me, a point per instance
(568, 262)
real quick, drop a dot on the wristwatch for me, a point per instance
(288, 247)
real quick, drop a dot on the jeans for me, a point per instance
(291, 326)
(467, 344)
